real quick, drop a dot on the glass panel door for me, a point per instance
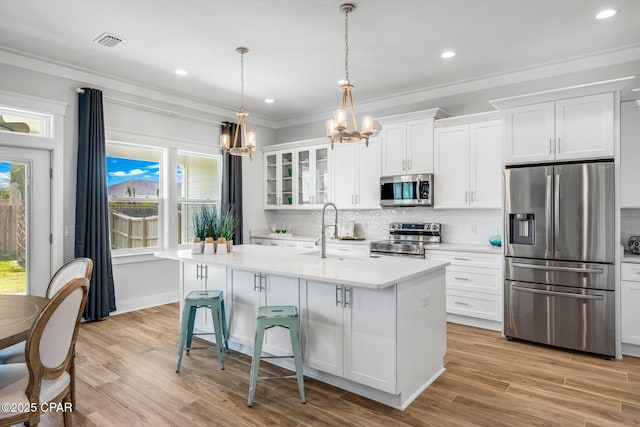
(25, 252)
(304, 177)
(322, 176)
(287, 179)
(271, 184)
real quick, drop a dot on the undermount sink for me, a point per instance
(336, 257)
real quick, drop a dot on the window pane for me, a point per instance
(13, 230)
(133, 186)
(19, 121)
(198, 177)
(186, 213)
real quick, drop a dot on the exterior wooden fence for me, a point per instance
(9, 223)
(133, 232)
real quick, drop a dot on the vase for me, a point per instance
(197, 247)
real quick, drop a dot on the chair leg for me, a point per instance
(66, 414)
(225, 332)
(297, 358)
(215, 316)
(183, 332)
(192, 321)
(255, 362)
(72, 384)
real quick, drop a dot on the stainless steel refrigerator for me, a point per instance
(559, 255)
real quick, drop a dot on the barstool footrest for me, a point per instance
(278, 377)
(277, 357)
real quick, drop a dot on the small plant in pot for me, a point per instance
(199, 230)
(209, 218)
(226, 228)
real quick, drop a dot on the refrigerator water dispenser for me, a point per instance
(522, 228)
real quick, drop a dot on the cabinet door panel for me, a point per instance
(370, 337)
(279, 290)
(369, 172)
(584, 127)
(529, 133)
(245, 302)
(305, 177)
(394, 154)
(287, 172)
(630, 312)
(629, 153)
(322, 181)
(271, 181)
(193, 280)
(322, 315)
(420, 146)
(344, 163)
(485, 163)
(451, 164)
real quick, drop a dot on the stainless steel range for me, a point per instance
(407, 239)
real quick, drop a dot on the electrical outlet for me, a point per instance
(425, 300)
(69, 230)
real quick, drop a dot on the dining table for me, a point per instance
(17, 314)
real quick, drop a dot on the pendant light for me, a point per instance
(249, 138)
(337, 129)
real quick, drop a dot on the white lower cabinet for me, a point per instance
(630, 287)
(474, 285)
(266, 242)
(251, 290)
(354, 333)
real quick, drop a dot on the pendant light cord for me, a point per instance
(346, 46)
(241, 81)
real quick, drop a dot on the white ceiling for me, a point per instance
(297, 46)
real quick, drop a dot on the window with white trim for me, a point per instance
(29, 122)
(134, 176)
(199, 186)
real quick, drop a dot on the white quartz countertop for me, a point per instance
(464, 247)
(276, 236)
(373, 273)
(632, 258)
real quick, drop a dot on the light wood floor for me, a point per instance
(126, 377)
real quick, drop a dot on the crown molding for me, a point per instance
(538, 72)
(103, 81)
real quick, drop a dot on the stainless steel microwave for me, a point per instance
(406, 190)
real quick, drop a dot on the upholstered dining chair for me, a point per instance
(44, 381)
(74, 269)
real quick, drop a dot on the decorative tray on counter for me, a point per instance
(351, 238)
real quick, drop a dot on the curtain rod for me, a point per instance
(151, 107)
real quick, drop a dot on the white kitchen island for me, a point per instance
(373, 326)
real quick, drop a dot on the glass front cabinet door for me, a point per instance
(279, 180)
(313, 176)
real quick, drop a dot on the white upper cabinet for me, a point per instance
(629, 154)
(574, 123)
(468, 165)
(279, 181)
(407, 142)
(569, 129)
(356, 175)
(312, 173)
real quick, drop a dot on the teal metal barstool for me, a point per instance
(287, 317)
(213, 300)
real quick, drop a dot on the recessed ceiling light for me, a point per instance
(181, 72)
(448, 54)
(607, 13)
(269, 101)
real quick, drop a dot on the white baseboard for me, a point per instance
(631, 350)
(477, 323)
(133, 304)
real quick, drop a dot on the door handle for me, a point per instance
(550, 144)
(461, 278)
(558, 146)
(460, 303)
(466, 196)
(403, 164)
(347, 296)
(338, 294)
(558, 294)
(461, 259)
(255, 285)
(558, 268)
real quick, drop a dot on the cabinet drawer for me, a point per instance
(473, 279)
(474, 304)
(470, 259)
(301, 244)
(631, 271)
(266, 242)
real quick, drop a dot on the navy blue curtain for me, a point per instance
(232, 181)
(92, 210)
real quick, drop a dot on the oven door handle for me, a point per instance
(567, 269)
(558, 294)
(418, 187)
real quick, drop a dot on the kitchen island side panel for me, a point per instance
(422, 334)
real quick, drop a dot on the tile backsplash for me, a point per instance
(458, 226)
(629, 224)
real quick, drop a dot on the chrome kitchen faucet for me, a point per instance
(323, 248)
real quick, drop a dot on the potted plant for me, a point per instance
(226, 228)
(199, 234)
(209, 219)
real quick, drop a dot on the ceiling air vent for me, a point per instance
(108, 40)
